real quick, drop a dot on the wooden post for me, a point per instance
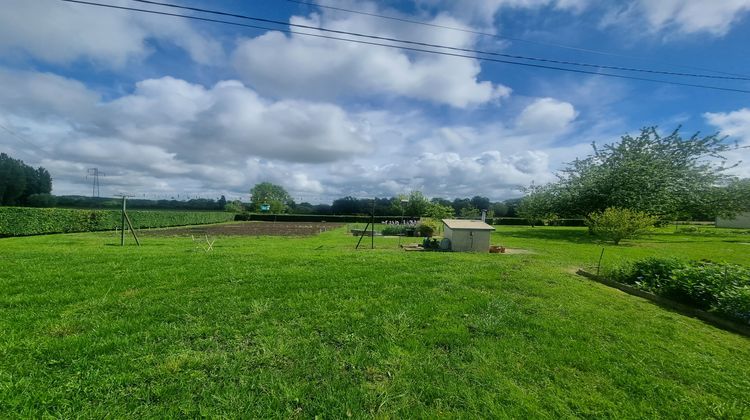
(362, 235)
(122, 223)
(372, 221)
(132, 229)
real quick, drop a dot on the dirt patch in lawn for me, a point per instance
(248, 229)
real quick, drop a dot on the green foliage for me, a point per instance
(537, 205)
(394, 230)
(669, 177)
(18, 181)
(235, 206)
(656, 269)
(738, 192)
(427, 227)
(22, 221)
(41, 200)
(439, 211)
(267, 193)
(720, 288)
(470, 212)
(500, 209)
(615, 224)
(417, 205)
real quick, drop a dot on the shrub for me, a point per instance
(735, 303)
(649, 273)
(701, 284)
(720, 288)
(424, 229)
(235, 206)
(615, 224)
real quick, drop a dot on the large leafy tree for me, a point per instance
(417, 205)
(666, 176)
(273, 195)
(19, 181)
(538, 205)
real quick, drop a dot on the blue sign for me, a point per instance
(265, 207)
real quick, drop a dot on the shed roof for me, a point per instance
(457, 224)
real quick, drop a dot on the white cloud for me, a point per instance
(483, 12)
(219, 137)
(546, 115)
(61, 33)
(736, 125)
(40, 95)
(682, 16)
(170, 136)
(307, 67)
(230, 122)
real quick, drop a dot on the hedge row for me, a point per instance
(23, 221)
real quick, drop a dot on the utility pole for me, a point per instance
(95, 173)
(122, 222)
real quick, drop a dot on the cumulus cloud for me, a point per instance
(736, 125)
(170, 136)
(61, 33)
(307, 67)
(546, 115)
(683, 16)
(172, 128)
(191, 121)
(40, 95)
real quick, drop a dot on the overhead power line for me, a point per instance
(431, 45)
(510, 38)
(19, 137)
(421, 50)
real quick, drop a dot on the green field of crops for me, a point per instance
(305, 327)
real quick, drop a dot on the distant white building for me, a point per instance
(468, 235)
(742, 221)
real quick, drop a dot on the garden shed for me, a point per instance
(468, 235)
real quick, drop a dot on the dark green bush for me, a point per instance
(649, 273)
(425, 230)
(702, 284)
(720, 288)
(615, 224)
(735, 303)
(22, 221)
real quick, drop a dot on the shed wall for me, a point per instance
(468, 240)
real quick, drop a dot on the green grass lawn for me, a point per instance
(299, 327)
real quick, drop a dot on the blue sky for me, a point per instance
(166, 106)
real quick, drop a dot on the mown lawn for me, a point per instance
(299, 327)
